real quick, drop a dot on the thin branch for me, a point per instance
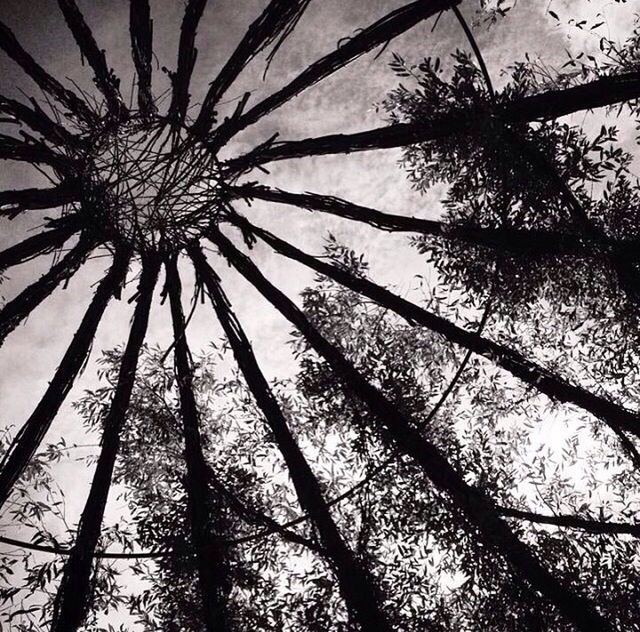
(547, 105)
(380, 32)
(357, 586)
(279, 17)
(74, 592)
(187, 54)
(13, 202)
(515, 241)
(478, 508)
(39, 244)
(16, 310)
(76, 106)
(141, 31)
(213, 571)
(26, 442)
(106, 81)
(38, 121)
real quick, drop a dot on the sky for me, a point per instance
(343, 103)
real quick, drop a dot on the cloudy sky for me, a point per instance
(343, 103)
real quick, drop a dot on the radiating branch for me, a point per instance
(76, 106)
(357, 587)
(13, 202)
(105, 79)
(26, 442)
(380, 32)
(548, 105)
(141, 31)
(541, 379)
(39, 244)
(38, 121)
(514, 241)
(16, 310)
(213, 571)
(478, 508)
(74, 592)
(278, 19)
(187, 54)
(38, 153)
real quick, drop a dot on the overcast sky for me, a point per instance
(343, 103)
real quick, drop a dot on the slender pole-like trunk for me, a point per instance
(380, 32)
(543, 380)
(141, 31)
(213, 577)
(74, 592)
(279, 17)
(76, 106)
(187, 54)
(357, 586)
(106, 81)
(478, 508)
(16, 310)
(26, 442)
(13, 202)
(39, 244)
(513, 241)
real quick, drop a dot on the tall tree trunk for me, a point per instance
(212, 565)
(357, 587)
(141, 31)
(478, 508)
(26, 442)
(74, 592)
(16, 310)
(380, 32)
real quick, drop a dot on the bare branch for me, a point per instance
(357, 587)
(26, 442)
(380, 32)
(279, 17)
(73, 596)
(106, 81)
(141, 30)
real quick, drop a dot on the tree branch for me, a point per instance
(280, 16)
(380, 32)
(26, 442)
(141, 31)
(213, 572)
(106, 81)
(74, 592)
(357, 587)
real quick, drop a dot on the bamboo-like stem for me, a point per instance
(74, 592)
(213, 571)
(39, 244)
(478, 508)
(76, 106)
(541, 379)
(13, 202)
(380, 32)
(187, 54)
(545, 106)
(141, 31)
(26, 442)
(106, 81)
(279, 17)
(16, 310)
(38, 153)
(357, 587)
(38, 121)
(513, 241)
